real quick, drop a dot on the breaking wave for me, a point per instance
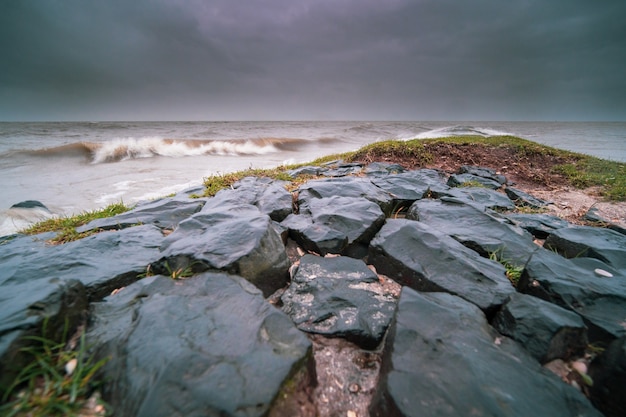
(459, 131)
(130, 148)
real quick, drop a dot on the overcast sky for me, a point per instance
(312, 59)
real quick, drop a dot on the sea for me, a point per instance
(71, 167)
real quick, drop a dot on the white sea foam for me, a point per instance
(459, 131)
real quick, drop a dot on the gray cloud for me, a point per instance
(302, 59)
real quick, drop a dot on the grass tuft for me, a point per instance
(66, 226)
(57, 382)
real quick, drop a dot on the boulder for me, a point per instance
(335, 224)
(268, 195)
(339, 297)
(309, 170)
(165, 213)
(479, 197)
(487, 234)
(341, 169)
(355, 187)
(460, 180)
(423, 258)
(545, 330)
(608, 372)
(238, 239)
(606, 245)
(208, 345)
(539, 225)
(483, 172)
(410, 186)
(580, 285)
(441, 358)
(524, 199)
(383, 168)
(593, 215)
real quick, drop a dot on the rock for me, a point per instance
(480, 231)
(235, 238)
(355, 187)
(479, 197)
(268, 195)
(442, 358)
(341, 169)
(207, 345)
(545, 330)
(593, 242)
(539, 225)
(335, 224)
(483, 172)
(593, 215)
(608, 373)
(339, 297)
(524, 199)
(423, 258)
(459, 180)
(383, 168)
(29, 204)
(309, 170)
(165, 213)
(410, 186)
(573, 285)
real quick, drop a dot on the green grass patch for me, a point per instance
(589, 171)
(392, 149)
(66, 226)
(58, 382)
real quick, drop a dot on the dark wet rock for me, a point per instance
(309, 170)
(208, 345)
(165, 213)
(577, 285)
(268, 195)
(608, 373)
(423, 258)
(480, 231)
(101, 262)
(539, 225)
(41, 282)
(592, 242)
(238, 239)
(383, 168)
(25, 308)
(411, 186)
(524, 199)
(339, 297)
(335, 224)
(545, 330)
(483, 172)
(29, 204)
(479, 197)
(443, 359)
(354, 187)
(593, 215)
(341, 169)
(460, 180)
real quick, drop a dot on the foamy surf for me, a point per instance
(460, 130)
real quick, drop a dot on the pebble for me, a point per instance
(603, 273)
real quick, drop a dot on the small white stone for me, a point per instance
(602, 273)
(70, 366)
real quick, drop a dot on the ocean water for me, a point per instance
(73, 167)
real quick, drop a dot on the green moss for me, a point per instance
(66, 226)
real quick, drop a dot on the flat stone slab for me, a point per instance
(546, 330)
(443, 359)
(238, 239)
(479, 197)
(423, 258)
(606, 245)
(483, 232)
(524, 199)
(355, 187)
(339, 297)
(459, 180)
(484, 172)
(410, 186)
(207, 345)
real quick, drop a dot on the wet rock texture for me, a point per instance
(382, 293)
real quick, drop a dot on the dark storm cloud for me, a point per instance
(278, 59)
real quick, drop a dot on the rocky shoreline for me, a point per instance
(373, 290)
